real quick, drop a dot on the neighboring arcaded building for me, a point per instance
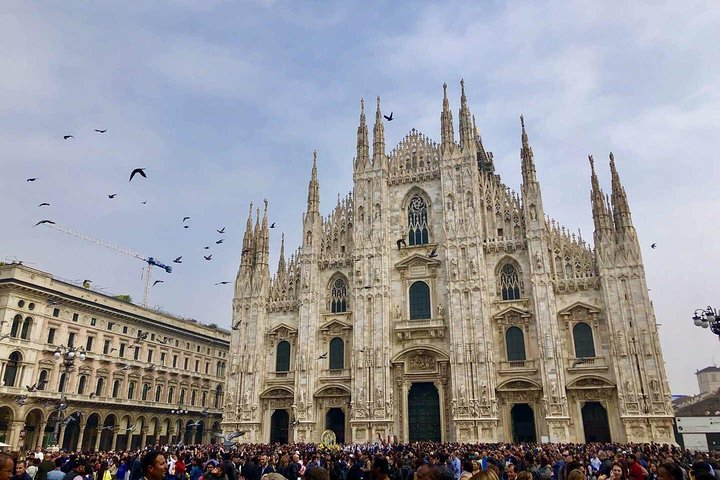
(140, 368)
(434, 303)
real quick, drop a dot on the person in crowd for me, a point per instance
(20, 471)
(153, 466)
(7, 466)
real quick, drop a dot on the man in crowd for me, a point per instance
(154, 466)
(264, 466)
(47, 465)
(20, 473)
(7, 466)
(56, 473)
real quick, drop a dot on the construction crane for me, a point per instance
(150, 261)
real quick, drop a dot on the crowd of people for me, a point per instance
(416, 461)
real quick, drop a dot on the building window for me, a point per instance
(203, 399)
(136, 355)
(418, 233)
(121, 353)
(218, 396)
(100, 387)
(93, 322)
(12, 369)
(187, 360)
(26, 328)
(162, 358)
(43, 379)
(583, 339)
(171, 394)
(282, 357)
(150, 356)
(339, 296)
(110, 325)
(116, 389)
(81, 385)
(145, 390)
(182, 396)
(71, 339)
(76, 316)
(198, 349)
(51, 335)
(158, 392)
(197, 366)
(15, 328)
(207, 368)
(106, 347)
(175, 359)
(193, 396)
(89, 344)
(515, 344)
(509, 282)
(125, 329)
(56, 312)
(337, 354)
(419, 301)
(61, 383)
(131, 390)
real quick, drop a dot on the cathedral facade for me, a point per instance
(434, 303)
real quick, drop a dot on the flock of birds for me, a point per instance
(140, 172)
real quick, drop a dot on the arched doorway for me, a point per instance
(199, 430)
(108, 431)
(335, 421)
(424, 413)
(279, 423)
(595, 423)
(523, 423)
(33, 435)
(91, 432)
(164, 436)
(215, 429)
(153, 431)
(6, 418)
(72, 431)
(49, 433)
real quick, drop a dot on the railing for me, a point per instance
(587, 363)
(513, 366)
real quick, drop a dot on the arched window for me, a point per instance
(509, 282)
(15, 328)
(158, 392)
(515, 344)
(203, 401)
(100, 387)
(171, 394)
(26, 329)
(145, 390)
(419, 301)
(62, 382)
(339, 296)
(42, 379)
(193, 397)
(116, 389)
(337, 354)
(182, 396)
(218, 370)
(11, 369)
(131, 390)
(583, 339)
(418, 233)
(81, 384)
(218, 396)
(282, 357)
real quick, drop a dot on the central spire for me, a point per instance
(313, 198)
(526, 155)
(378, 136)
(363, 145)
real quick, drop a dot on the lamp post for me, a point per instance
(180, 410)
(68, 355)
(707, 317)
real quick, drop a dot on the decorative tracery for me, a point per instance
(418, 233)
(339, 296)
(510, 284)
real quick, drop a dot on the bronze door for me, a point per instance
(424, 413)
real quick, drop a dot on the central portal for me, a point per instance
(424, 413)
(335, 421)
(279, 423)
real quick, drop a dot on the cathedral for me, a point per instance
(435, 303)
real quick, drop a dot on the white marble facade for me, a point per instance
(530, 332)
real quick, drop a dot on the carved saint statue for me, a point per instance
(379, 395)
(398, 314)
(462, 394)
(440, 310)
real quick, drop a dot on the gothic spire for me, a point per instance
(248, 239)
(447, 134)
(363, 145)
(313, 199)
(281, 261)
(265, 232)
(378, 136)
(466, 132)
(621, 208)
(601, 217)
(526, 155)
(484, 161)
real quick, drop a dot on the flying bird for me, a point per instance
(204, 411)
(185, 219)
(141, 171)
(208, 257)
(7, 335)
(101, 131)
(31, 179)
(653, 246)
(41, 222)
(65, 137)
(434, 253)
(31, 388)
(44, 204)
(324, 355)
(219, 241)
(222, 283)
(186, 226)
(401, 241)
(113, 350)
(221, 231)
(390, 118)
(228, 440)
(126, 367)
(193, 424)
(41, 384)
(273, 225)
(206, 248)
(112, 195)
(22, 400)
(178, 260)
(144, 202)
(158, 281)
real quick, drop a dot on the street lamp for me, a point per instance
(179, 410)
(69, 355)
(707, 317)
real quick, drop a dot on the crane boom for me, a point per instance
(150, 261)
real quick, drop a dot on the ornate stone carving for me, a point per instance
(422, 361)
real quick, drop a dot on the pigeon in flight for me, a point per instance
(273, 225)
(208, 257)
(185, 219)
(204, 411)
(178, 260)
(158, 281)
(653, 246)
(144, 202)
(65, 137)
(101, 131)
(219, 241)
(324, 355)
(31, 179)
(222, 283)
(401, 241)
(41, 384)
(113, 350)
(44, 204)
(113, 195)
(221, 231)
(41, 222)
(31, 388)
(86, 283)
(193, 424)
(141, 171)
(126, 367)
(206, 248)
(186, 226)
(434, 253)
(390, 118)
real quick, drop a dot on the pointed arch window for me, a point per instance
(515, 344)
(282, 357)
(339, 296)
(12, 368)
(418, 233)
(337, 354)
(509, 282)
(419, 301)
(583, 340)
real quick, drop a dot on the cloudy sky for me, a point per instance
(224, 102)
